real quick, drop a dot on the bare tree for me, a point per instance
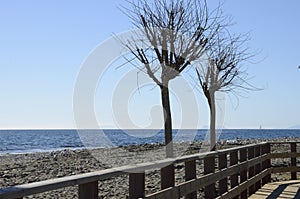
(223, 72)
(175, 33)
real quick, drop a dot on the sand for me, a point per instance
(32, 167)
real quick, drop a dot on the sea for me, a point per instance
(28, 141)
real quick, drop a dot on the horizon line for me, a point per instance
(233, 128)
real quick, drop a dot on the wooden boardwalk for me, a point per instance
(247, 169)
(283, 190)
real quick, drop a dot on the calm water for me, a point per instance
(22, 141)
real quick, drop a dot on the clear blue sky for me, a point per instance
(44, 43)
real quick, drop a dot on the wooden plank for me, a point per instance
(222, 161)
(167, 176)
(228, 150)
(284, 155)
(293, 161)
(190, 174)
(234, 178)
(201, 156)
(209, 167)
(283, 142)
(251, 171)
(266, 149)
(284, 169)
(88, 190)
(257, 167)
(136, 185)
(243, 174)
(283, 189)
(57, 183)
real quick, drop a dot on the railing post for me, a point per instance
(258, 167)
(136, 185)
(88, 190)
(190, 173)
(293, 160)
(222, 160)
(266, 149)
(209, 167)
(251, 172)
(234, 180)
(243, 174)
(167, 175)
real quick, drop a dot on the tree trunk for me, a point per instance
(168, 172)
(212, 105)
(168, 120)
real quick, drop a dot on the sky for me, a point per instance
(45, 44)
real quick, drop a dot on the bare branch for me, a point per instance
(224, 68)
(178, 32)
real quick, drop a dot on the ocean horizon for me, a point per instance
(42, 140)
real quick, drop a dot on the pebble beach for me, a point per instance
(16, 169)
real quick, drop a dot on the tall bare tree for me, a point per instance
(223, 72)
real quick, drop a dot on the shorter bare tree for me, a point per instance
(223, 72)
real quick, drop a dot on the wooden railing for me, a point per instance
(238, 172)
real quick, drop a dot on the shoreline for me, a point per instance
(29, 141)
(221, 142)
(18, 169)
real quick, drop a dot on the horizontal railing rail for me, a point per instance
(247, 167)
